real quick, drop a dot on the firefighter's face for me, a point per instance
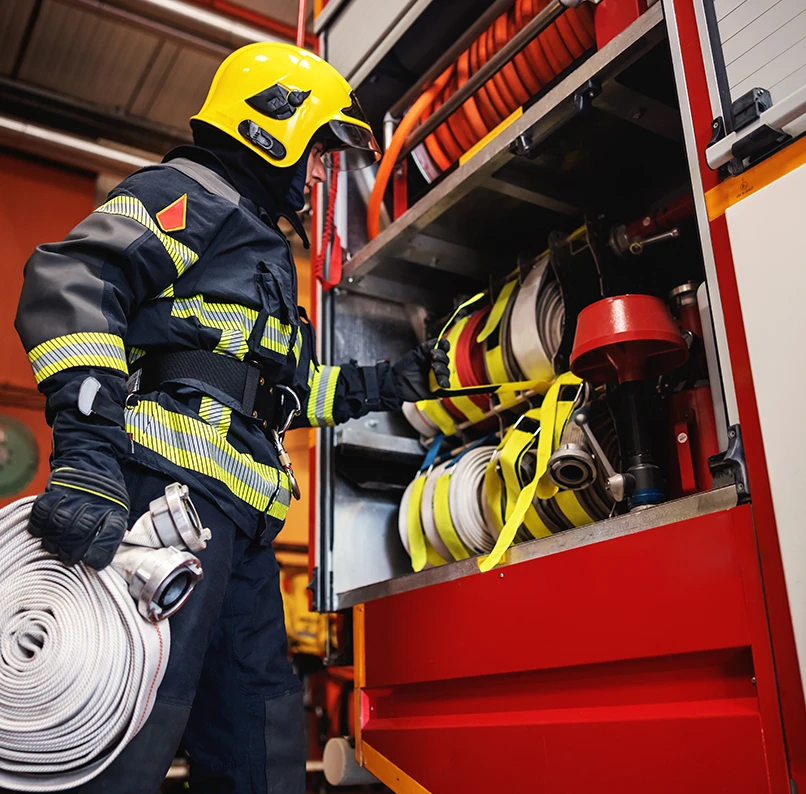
(316, 168)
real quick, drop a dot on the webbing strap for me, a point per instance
(549, 419)
(422, 551)
(442, 519)
(520, 439)
(572, 509)
(555, 416)
(436, 412)
(497, 312)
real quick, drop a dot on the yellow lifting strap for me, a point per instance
(502, 387)
(442, 519)
(422, 551)
(497, 312)
(437, 413)
(551, 415)
(520, 438)
(570, 505)
(560, 410)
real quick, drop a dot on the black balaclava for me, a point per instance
(279, 191)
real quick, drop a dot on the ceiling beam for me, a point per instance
(51, 109)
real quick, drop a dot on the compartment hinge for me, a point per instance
(730, 466)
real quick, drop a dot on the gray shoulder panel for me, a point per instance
(207, 178)
(63, 292)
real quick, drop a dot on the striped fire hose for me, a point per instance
(81, 659)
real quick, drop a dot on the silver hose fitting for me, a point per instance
(572, 467)
(154, 557)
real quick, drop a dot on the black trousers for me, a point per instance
(229, 691)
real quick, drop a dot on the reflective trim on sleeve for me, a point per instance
(216, 414)
(195, 445)
(323, 391)
(130, 207)
(276, 336)
(78, 350)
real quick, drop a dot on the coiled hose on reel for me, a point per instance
(82, 652)
(544, 58)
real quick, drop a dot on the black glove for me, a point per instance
(412, 371)
(81, 515)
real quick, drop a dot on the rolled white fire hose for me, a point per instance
(79, 664)
(534, 361)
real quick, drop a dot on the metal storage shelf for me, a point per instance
(700, 504)
(473, 219)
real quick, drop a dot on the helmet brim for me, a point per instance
(355, 143)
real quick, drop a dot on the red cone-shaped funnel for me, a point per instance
(626, 338)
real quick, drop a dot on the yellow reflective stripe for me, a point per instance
(168, 292)
(224, 316)
(89, 490)
(497, 313)
(78, 350)
(130, 207)
(133, 353)
(298, 345)
(276, 336)
(322, 395)
(216, 414)
(442, 519)
(437, 413)
(555, 415)
(233, 320)
(195, 445)
(232, 343)
(568, 502)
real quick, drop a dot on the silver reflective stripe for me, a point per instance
(195, 445)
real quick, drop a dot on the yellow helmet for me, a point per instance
(276, 98)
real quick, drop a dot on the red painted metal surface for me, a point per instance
(625, 666)
(626, 338)
(787, 672)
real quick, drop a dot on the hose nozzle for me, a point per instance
(155, 557)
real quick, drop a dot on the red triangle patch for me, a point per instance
(174, 216)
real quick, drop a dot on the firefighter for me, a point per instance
(165, 333)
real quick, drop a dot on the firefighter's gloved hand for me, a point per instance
(82, 515)
(412, 371)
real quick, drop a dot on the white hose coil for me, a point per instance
(79, 667)
(533, 361)
(403, 518)
(466, 497)
(419, 421)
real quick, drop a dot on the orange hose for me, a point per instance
(541, 61)
(409, 122)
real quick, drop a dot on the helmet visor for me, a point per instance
(356, 144)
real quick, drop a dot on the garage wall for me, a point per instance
(38, 203)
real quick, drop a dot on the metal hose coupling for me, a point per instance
(155, 557)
